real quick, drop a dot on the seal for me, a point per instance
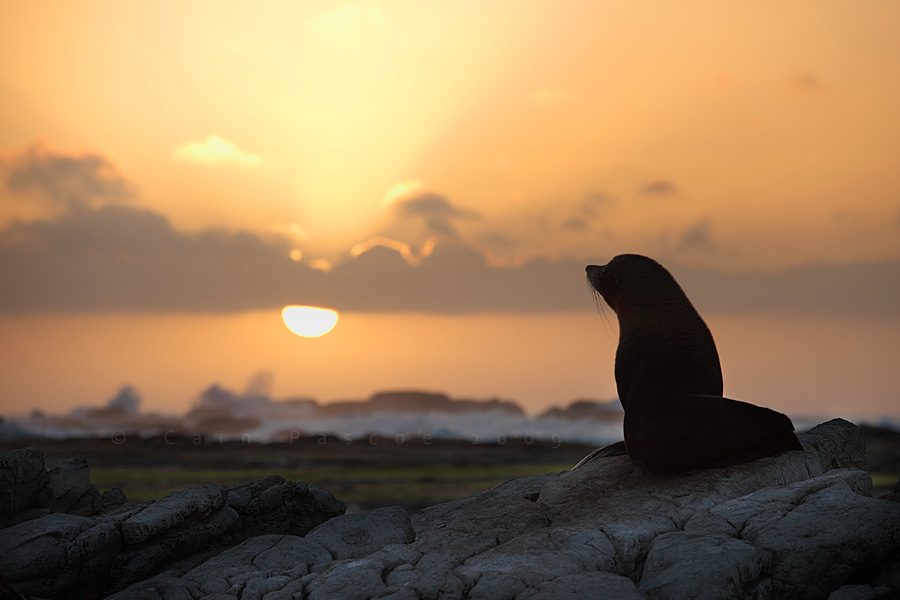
(670, 382)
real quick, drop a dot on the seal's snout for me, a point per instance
(594, 272)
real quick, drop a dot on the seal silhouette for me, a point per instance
(670, 382)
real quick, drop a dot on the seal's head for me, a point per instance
(633, 282)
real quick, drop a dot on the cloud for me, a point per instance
(580, 216)
(412, 217)
(116, 258)
(402, 248)
(66, 180)
(806, 82)
(576, 224)
(123, 258)
(437, 212)
(869, 289)
(415, 219)
(695, 237)
(215, 150)
(495, 239)
(400, 190)
(432, 205)
(660, 187)
(587, 210)
(595, 198)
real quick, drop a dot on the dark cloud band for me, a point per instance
(68, 181)
(126, 259)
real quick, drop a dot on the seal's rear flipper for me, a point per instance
(685, 432)
(617, 449)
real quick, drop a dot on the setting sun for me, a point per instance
(309, 321)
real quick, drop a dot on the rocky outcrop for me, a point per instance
(589, 410)
(21, 477)
(29, 490)
(410, 402)
(281, 566)
(69, 555)
(797, 525)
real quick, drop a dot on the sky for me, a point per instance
(173, 174)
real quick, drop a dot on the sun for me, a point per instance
(309, 321)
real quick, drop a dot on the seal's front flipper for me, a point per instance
(617, 449)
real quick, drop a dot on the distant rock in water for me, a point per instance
(413, 402)
(592, 410)
(800, 525)
(218, 410)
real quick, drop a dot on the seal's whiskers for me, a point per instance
(598, 302)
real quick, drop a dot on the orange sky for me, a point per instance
(802, 366)
(729, 136)
(774, 124)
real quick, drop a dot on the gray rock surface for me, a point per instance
(894, 495)
(66, 555)
(797, 525)
(21, 477)
(272, 505)
(67, 488)
(55, 554)
(28, 490)
(265, 564)
(354, 536)
(172, 511)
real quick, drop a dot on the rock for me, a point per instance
(21, 476)
(172, 511)
(760, 529)
(888, 573)
(29, 491)
(267, 564)
(67, 488)
(349, 580)
(57, 553)
(60, 554)
(590, 410)
(862, 592)
(138, 561)
(111, 499)
(797, 527)
(717, 568)
(354, 536)
(882, 448)
(272, 505)
(585, 586)
(895, 495)
(800, 525)
(838, 444)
